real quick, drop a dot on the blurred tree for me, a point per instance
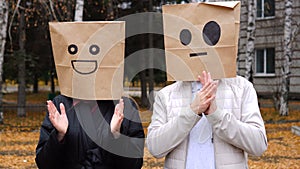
(21, 60)
(39, 61)
(3, 28)
(79, 10)
(285, 67)
(144, 40)
(151, 62)
(251, 5)
(29, 45)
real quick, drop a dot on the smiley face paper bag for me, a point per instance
(201, 36)
(89, 58)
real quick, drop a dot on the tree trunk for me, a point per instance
(250, 38)
(79, 10)
(21, 65)
(144, 98)
(143, 76)
(151, 87)
(285, 68)
(151, 70)
(35, 84)
(3, 28)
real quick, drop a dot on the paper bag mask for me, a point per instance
(89, 58)
(201, 36)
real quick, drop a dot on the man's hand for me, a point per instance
(206, 95)
(58, 120)
(117, 119)
(212, 107)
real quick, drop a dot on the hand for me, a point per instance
(212, 107)
(58, 120)
(117, 119)
(206, 95)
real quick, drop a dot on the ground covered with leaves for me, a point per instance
(19, 136)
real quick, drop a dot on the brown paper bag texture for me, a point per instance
(201, 36)
(89, 58)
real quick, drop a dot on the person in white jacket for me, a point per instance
(207, 124)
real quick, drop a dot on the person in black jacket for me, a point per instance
(81, 134)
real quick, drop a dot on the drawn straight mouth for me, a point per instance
(198, 54)
(84, 67)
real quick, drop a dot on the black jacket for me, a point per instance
(79, 150)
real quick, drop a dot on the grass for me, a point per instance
(33, 98)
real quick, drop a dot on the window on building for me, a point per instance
(265, 61)
(265, 8)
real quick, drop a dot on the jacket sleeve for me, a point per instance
(48, 150)
(128, 149)
(133, 129)
(247, 133)
(166, 134)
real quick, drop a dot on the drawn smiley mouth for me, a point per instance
(198, 54)
(84, 67)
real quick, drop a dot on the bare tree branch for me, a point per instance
(52, 9)
(11, 22)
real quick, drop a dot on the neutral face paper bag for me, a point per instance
(201, 36)
(89, 58)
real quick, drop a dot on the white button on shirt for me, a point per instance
(200, 153)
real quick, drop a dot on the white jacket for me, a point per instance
(238, 127)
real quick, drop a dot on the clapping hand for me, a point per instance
(58, 120)
(206, 95)
(117, 119)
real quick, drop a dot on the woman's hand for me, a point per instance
(117, 119)
(58, 120)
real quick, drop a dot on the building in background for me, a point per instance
(269, 47)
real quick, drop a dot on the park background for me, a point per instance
(269, 55)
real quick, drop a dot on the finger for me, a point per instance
(48, 105)
(215, 88)
(208, 81)
(62, 109)
(49, 112)
(205, 91)
(211, 87)
(49, 108)
(52, 107)
(117, 110)
(216, 82)
(211, 93)
(211, 90)
(204, 75)
(51, 116)
(209, 77)
(121, 114)
(120, 118)
(201, 80)
(209, 100)
(121, 106)
(205, 86)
